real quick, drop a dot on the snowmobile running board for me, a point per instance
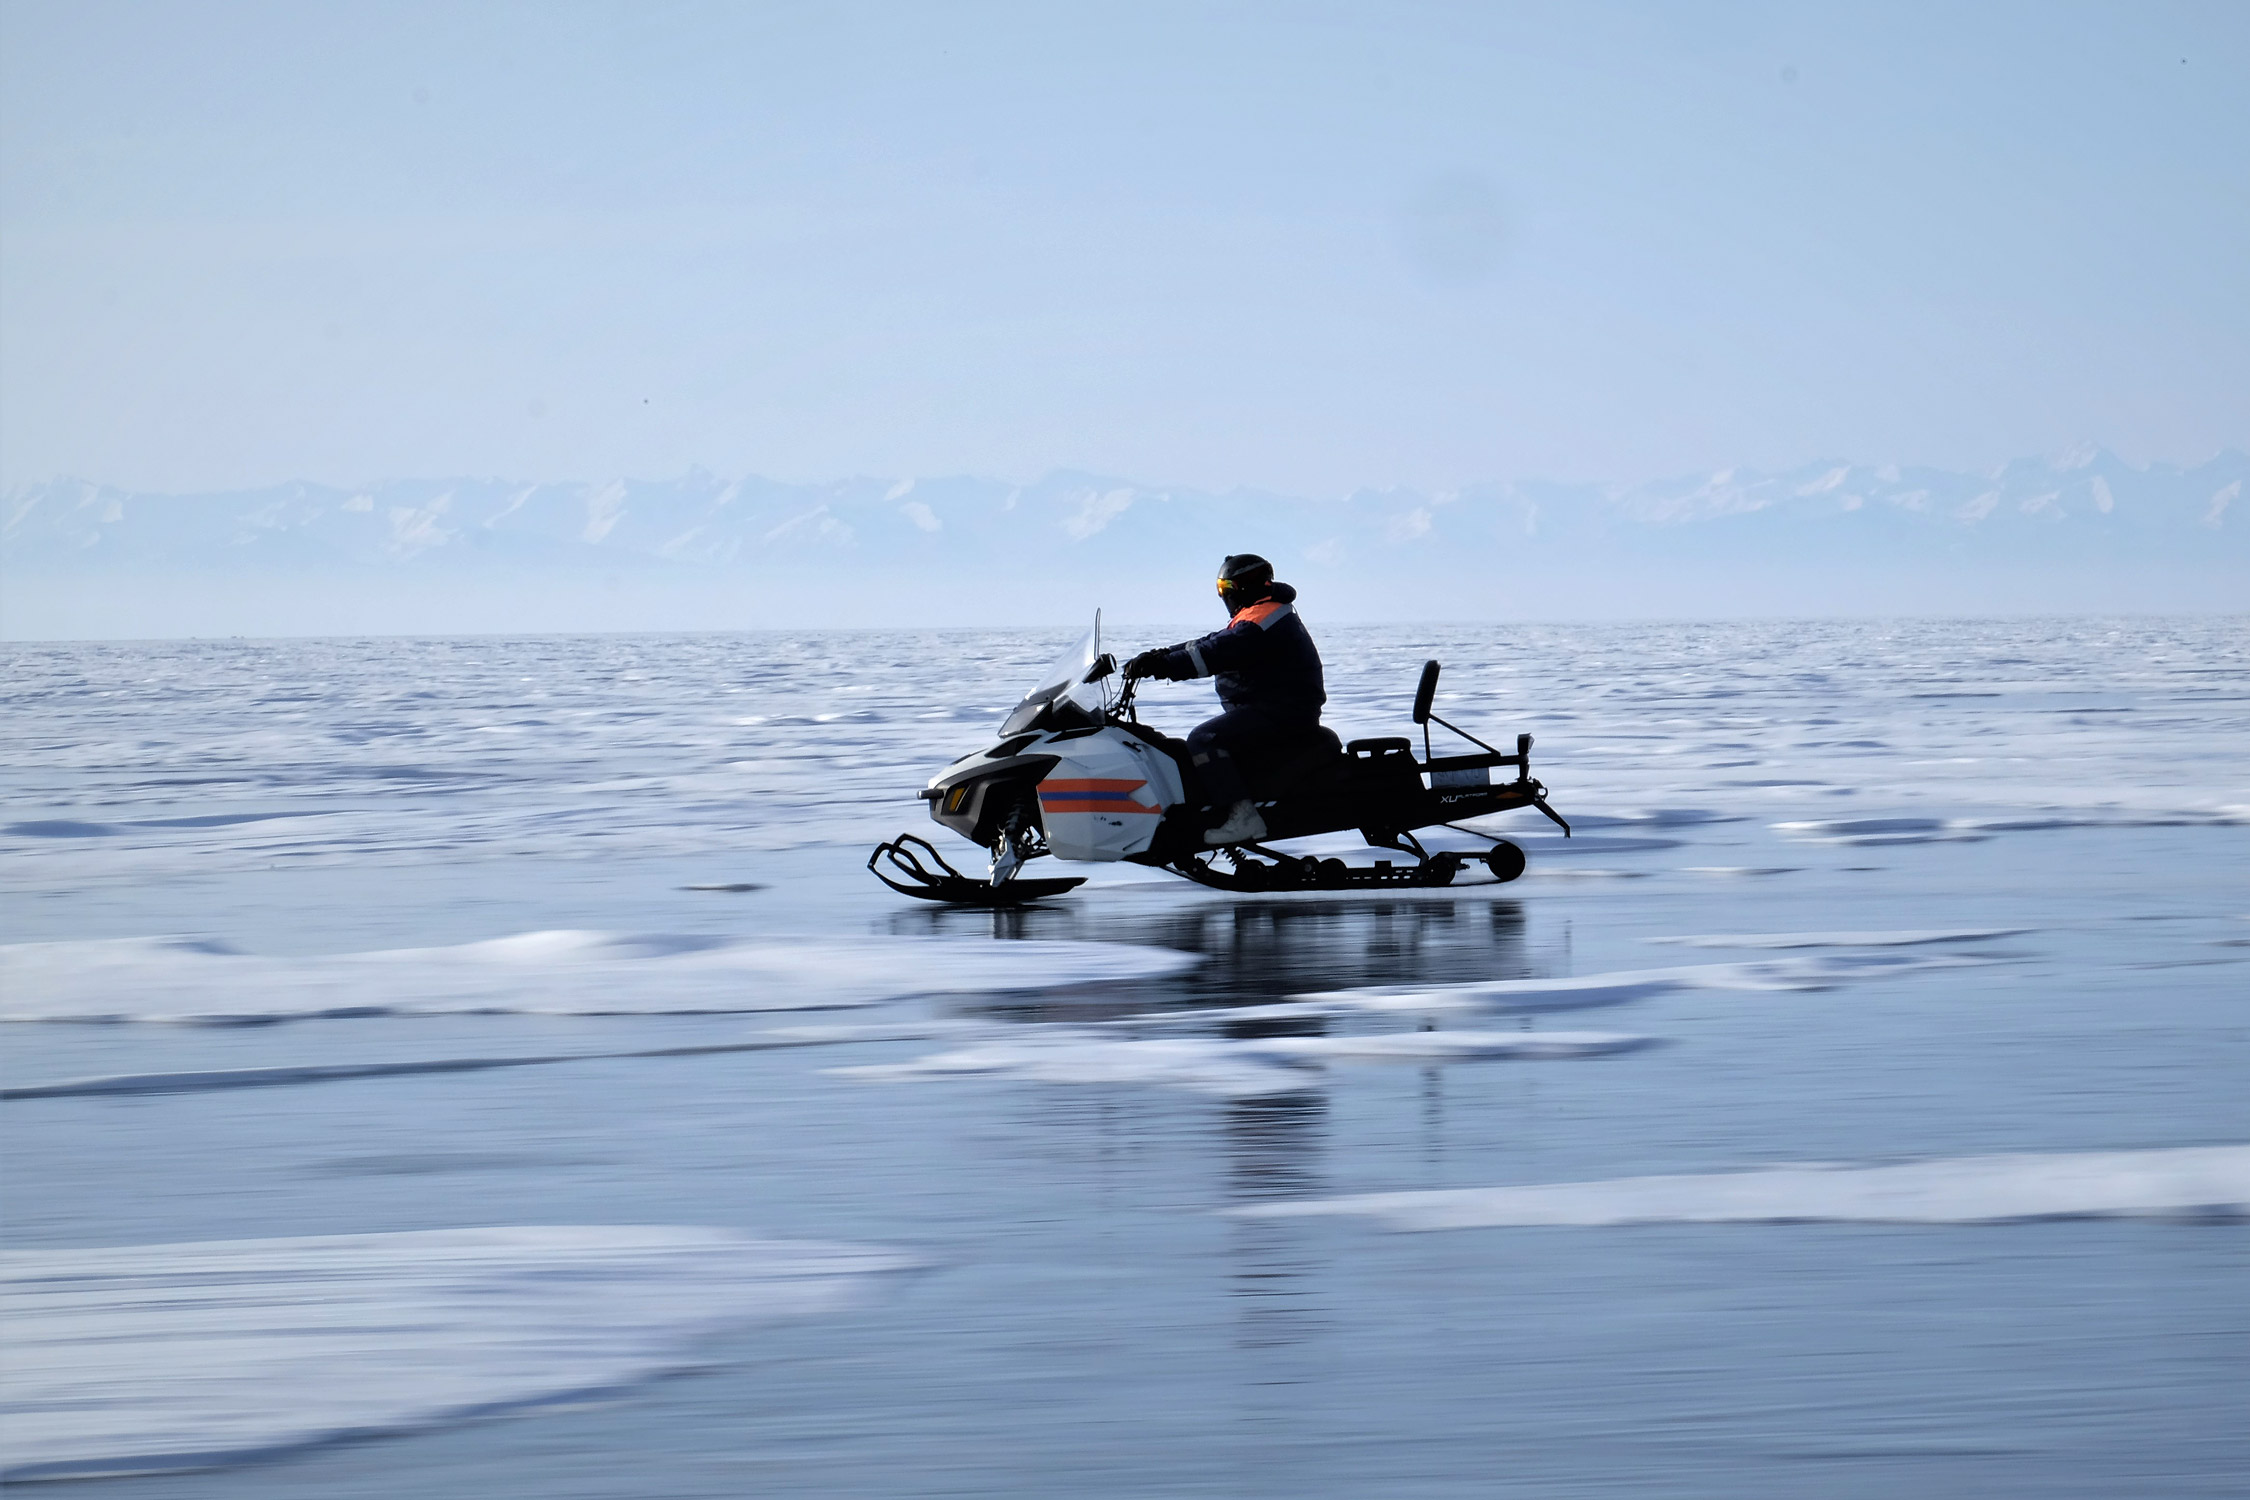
(904, 856)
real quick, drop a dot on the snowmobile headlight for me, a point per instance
(958, 798)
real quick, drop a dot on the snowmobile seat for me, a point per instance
(1293, 767)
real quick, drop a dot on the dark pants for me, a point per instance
(1218, 747)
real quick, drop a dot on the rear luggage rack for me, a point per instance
(1473, 770)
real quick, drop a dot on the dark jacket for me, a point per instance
(1263, 660)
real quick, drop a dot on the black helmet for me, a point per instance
(1244, 579)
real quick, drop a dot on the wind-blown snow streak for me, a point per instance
(159, 1357)
(1226, 1067)
(1910, 939)
(2191, 1182)
(199, 982)
(211, 1080)
(1514, 995)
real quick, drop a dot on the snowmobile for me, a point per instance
(1077, 776)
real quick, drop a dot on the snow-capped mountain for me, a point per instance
(2084, 531)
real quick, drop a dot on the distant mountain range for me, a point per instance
(2086, 531)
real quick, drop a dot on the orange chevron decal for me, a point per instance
(1093, 794)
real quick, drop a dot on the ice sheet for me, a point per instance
(2204, 1183)
(202, 982)
(155, 1357)
(368, 751)
(362, 792)
(1226, 1066)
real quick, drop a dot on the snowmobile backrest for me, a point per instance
(1425, 693)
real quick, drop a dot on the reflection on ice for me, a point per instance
(1260, 950)
(2202, 1183)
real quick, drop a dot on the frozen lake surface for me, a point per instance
(420, 1050)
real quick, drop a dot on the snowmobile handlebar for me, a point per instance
(1121, 712)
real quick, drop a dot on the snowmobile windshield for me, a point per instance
(1063, 698)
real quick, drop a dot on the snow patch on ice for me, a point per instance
(1542, 845)
(2201, 1183)
(1202, 1064)
(1539, 874)
(1874, 831)
(162, 1357)
(1225, 1066)
(1510, 996)
(542, 973)
(1655, 817)
(1880, 831)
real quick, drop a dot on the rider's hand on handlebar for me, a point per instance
(1147, 664)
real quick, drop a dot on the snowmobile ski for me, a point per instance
(909, 876)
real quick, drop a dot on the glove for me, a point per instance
(1149, 664)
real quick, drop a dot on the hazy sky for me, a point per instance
(1298, 246)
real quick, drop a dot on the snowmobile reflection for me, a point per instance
(1077, 776)
(1261, 951)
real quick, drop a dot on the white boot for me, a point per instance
(1243, 826)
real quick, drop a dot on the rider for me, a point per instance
(1268, 676)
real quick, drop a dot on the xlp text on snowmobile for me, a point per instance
(1076, 776)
